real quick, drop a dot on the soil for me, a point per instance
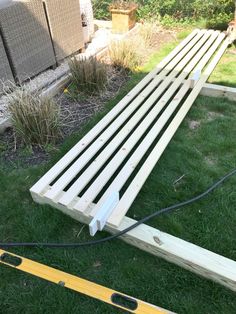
(76, 111)
(193, 125)
(79, 109)
(14, 153)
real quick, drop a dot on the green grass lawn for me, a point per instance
(202, 155)
(224, 73)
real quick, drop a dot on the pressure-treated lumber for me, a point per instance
(140, 178)
(187, 255)
(93, 168)
(116, 185)
(140, 117)
(66, 178)
(82, 144)
(175, 250)
(123, 175)
(219, 91)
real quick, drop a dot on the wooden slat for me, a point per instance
(118, 182)
(82, 181)
(137, 183)
(99, 183)
(91, 135)
(133, 161)
(66, 178)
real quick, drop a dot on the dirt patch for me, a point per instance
(194, 125)
(211, 115)
(14, 153)
(211, 161)
(161, 37)
(78, 109)
(158, 39)
(232, 52)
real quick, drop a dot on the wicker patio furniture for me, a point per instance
(65, 24)
(26, 36)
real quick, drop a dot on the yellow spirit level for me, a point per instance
(83, 286)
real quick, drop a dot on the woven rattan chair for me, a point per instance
(26, 37)
(65, 25)
(5, 70)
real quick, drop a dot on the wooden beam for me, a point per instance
(180, 252)
(58, 85)
(219, 91)
(175, 250)
(187, 255)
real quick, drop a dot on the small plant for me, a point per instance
(36, 119)
(88, 74)
(148, 30)
(122, 5)
(125, 54)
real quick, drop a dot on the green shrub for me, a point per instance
(125, 54)
(147, 32)
(122, 5)
(178, 10)
(88, 74)
(219, 21)
(148, 10)
(36, 119)
(100, 9)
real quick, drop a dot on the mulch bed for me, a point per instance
(75, 112)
